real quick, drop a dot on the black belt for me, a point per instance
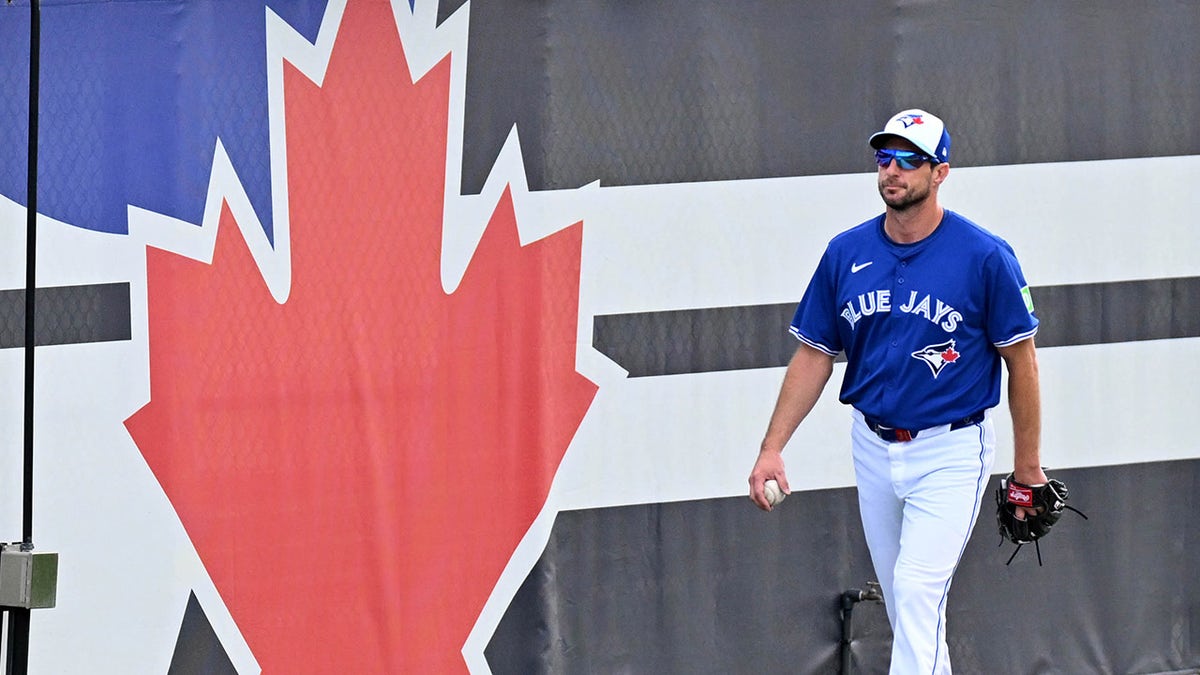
(894, 435)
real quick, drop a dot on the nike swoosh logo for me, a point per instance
(855, 269)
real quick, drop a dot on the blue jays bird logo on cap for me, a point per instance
(922, 129)
(937, 356)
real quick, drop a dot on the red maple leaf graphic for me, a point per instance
(950, 356)
(356, 465)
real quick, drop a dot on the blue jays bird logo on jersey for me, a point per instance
(937, 356)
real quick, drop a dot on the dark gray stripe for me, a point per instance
(67, 315)
(198, 649)
(640, 93)
(717, 586)
(446, 8)
(1126, 311)
(755, 336)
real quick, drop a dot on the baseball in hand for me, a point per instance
(773, 493)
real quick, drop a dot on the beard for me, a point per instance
(910, 197)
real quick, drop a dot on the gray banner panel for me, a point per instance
(67, 315)
(716, 586)
(198, 649)
(698, 90)
(755, 336)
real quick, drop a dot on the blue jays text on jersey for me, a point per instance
(881, 301)
(920, 322)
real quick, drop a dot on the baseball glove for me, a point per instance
(1048, 500)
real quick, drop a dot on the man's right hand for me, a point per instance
(769, 465)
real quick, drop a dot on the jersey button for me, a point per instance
(899, 280)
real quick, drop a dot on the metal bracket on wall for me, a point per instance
(28, 579)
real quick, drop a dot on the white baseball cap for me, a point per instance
(922, 129)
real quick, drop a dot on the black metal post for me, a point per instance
(17, 658)
(31, 266)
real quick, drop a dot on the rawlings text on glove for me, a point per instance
(1047, 501)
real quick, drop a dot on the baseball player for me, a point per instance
(925, 304)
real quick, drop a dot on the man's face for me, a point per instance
(904, 188)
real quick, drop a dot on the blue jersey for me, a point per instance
(919, 323)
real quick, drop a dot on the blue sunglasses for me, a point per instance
(907, 159)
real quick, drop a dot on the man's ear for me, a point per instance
(940, 172)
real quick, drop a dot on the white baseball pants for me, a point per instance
(919, 501)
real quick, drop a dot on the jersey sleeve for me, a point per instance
(815, 321)
(1011, 317)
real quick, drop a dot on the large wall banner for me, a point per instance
(418, 337)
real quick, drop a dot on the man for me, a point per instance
(925, 304)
